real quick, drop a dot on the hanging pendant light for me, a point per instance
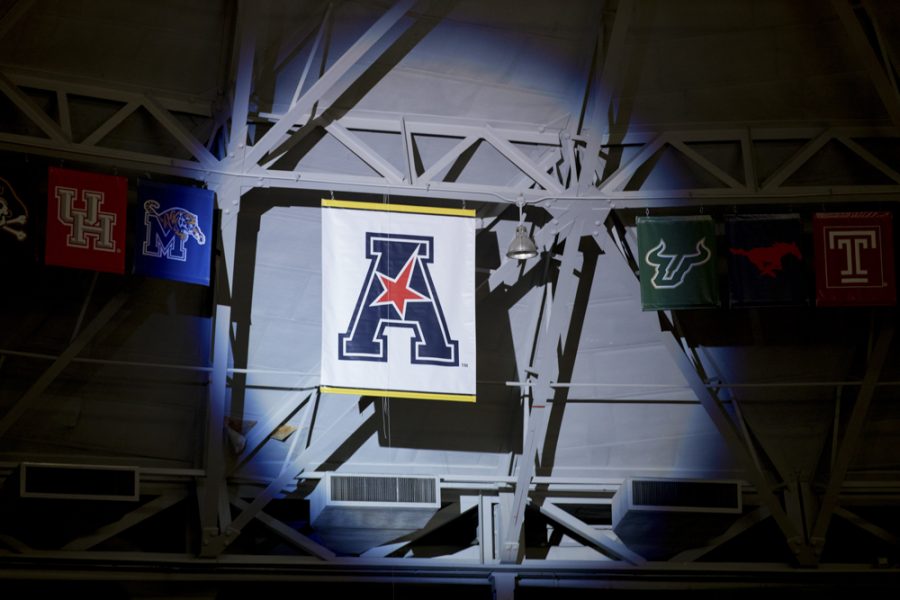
(522, 246)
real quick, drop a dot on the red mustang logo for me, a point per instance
(768, 259)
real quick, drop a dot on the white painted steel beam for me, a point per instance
(729, 432)
(325, 445)
(179, 132)
(864, 51)
(114, 121)
(139, 515)
(546, 366)
(707, 165)
(87, 334)
(852, 436)
(867, 526)
(287, 533)
(279, 415)
(601, 540)
(625, 172)
(312, 55)
(332, 81)
(31, 110)
(798, 160)
(742, 524)
(14, 13)
(213, 519)
(245, 42)
(521, 161)
(365, 153)
(596, 121)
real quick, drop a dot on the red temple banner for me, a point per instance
(854, 259)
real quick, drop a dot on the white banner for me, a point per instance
(398, 301)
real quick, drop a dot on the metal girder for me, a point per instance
(518, 158)
(879, 532)
(546, 366)
(864, 51)
(114, 121)
(138, 515)
(13, 14)
(179, 132)
(275, 419)
(851, 438)
(286, 532)
(365, 152)
(503, 585)
(213, 519)
(31, 110)
(598, 110)
(65, 358)
(332, 81)
(245, 36)
(327, 445)
(750, 141)
(727, 429)
(601, 540)
(58, 138)
(312, 54)
(742, 524)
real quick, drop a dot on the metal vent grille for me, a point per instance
(382, 489)
(85, 482)
(687, 494)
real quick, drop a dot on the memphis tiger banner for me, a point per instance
(677, 262)
(398, 301)
(766, 260)
(173, 232)
(854, 259)
(86, 220)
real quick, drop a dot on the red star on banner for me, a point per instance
(397, 291)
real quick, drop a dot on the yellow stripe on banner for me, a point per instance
(403, 208)
(397, 394)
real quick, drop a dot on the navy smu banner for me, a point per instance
(766, 263)
(398, 301)
(677, 262)
(173, 232)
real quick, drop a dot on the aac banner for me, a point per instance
(854, 259)
(766, 264)
(86, 220)
(398, 301)
(677, 262)
(172, 233)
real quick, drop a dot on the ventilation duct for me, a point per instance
(78, 482)
(352, 513)
(658, 517)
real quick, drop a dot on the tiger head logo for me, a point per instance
(168, 231)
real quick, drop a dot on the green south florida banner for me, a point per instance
(677, 262)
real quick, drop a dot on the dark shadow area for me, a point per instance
(454, 536)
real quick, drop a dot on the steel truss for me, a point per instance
(580, 172)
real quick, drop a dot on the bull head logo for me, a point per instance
(669, 270)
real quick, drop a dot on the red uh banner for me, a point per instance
(854, 259)
(86, 220)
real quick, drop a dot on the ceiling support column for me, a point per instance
(851, 439)
(556, 315)
(723, 422)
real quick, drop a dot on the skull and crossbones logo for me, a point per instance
(7, 218)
